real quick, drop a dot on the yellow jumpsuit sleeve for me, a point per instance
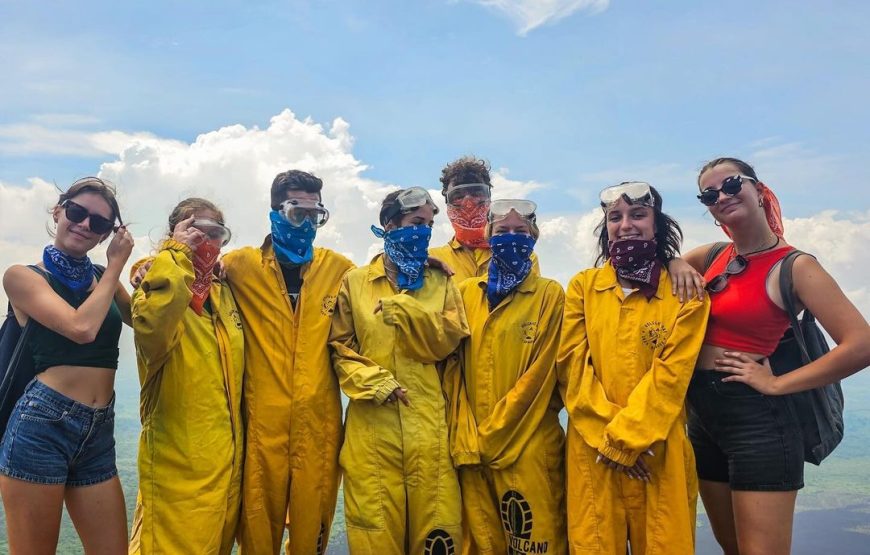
(159, 305)
(516, 417)
(359, 377)
(428, 335)
(462, 426)
(658, 399)
(589, 409)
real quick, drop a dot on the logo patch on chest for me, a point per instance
(653, 334)
(237, 318)
(327, 305)
(528, 331)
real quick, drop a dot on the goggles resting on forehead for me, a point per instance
(296, 211)
(499, 209)
(632, 192)
(480, 192)
(215, 231)
(408, 200)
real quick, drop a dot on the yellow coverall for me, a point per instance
(504, 420)
(190, 449)
(623, 373)
(292, 401)
(401, 493)
(466, 262)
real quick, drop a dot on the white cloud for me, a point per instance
(234, 166)
(530, 14)
(17, 139)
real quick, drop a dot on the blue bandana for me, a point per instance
(75, 273)
(292, 244)
(511, 262)
(408, 248)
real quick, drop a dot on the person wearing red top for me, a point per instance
(747, 440)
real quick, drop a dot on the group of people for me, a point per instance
(456, 361)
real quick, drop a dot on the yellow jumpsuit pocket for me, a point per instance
(363, 501)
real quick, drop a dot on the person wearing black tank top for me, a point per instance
(747, 440)
(58, 446)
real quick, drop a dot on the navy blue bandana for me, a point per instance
(408, 248)
(75, 273)
(635, 260)
(292, 244)
(511, 262)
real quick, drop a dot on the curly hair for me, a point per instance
(467, 169)
(668, 234)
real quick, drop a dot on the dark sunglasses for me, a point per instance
(730, 186)
(735, 266)
(77, 213)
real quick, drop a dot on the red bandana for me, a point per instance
(205, 256)
(469, 223)
(771, 209)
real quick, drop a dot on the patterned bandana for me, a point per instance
(75, 273)
(635, 260)
(511, 262)
(469, 222)
(408, 248)
(292, 244)
(205, 256)
(772, 211)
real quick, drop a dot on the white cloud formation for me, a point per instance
(530, 14)
(42, 137)
(234, 167)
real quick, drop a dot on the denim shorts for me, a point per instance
(52, 439)
(742, 437)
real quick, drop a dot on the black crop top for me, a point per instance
(50, 348)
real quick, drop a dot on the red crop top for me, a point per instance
(742, 316)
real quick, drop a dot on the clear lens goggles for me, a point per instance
(499, 209)
(215, 231)
(409, 200)
(297, 211)
(632, 192)
(480, 192)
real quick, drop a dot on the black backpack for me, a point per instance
(16, 360)
(820, 410)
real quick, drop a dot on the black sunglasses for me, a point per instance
(730, 186)
(77, 213)
(735, 266)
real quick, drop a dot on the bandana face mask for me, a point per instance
(408, 248)
(635, 260)
(468, 218)
(293, 244)
(510, 264)
(205, 256)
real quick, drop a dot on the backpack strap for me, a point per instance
(786, 289)
(713, 253)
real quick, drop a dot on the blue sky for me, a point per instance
(636, 87)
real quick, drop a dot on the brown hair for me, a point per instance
(190, 206)
(293, 180)
(742, 167)
(93, 185)
(467, 169)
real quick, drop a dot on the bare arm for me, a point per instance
(31, 294)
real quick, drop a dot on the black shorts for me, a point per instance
(742, 437)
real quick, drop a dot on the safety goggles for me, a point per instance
(632, 192)
(730, 186)
(296, 211)
(499, 209)
(215, 231)
(409, 200)
(480, 192)
(736, 266)
(77, 213)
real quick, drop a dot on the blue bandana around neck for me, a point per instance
(408, 248)
(75, 273)
(511, 262)
(292, 244)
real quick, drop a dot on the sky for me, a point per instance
(563, 97)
